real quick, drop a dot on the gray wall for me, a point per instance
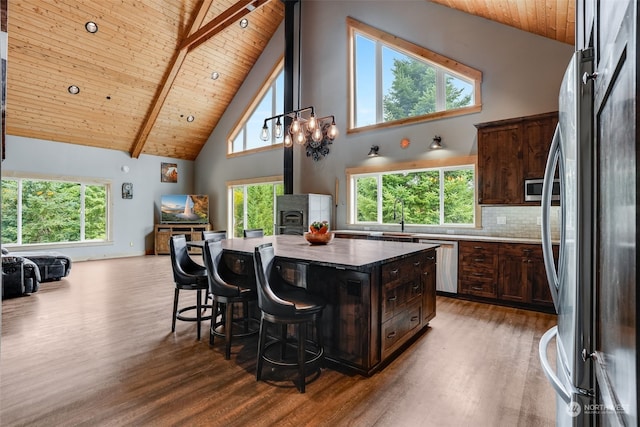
(521, 76)
(132, 219)
(522, 73)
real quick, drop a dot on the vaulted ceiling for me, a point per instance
(150, 67)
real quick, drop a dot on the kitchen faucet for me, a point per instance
(395, 204)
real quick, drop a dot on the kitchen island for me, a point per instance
(380, 295)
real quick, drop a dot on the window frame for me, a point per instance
(231, 185)
(83, 182)
(379, 170)
(248, 112)
(439, 61)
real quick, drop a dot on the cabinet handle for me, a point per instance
(477, 274)
(393, 298)
(414, 318)
(477, 288)
(391, 335)
(431, 258)
(478, 260)
(526, 251)
(417, 264)
(394, 272)
(478, 247)
(416, 287)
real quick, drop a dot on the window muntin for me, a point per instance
(253, 205)
(269, 102)
(399, 83)
(40, 211)
(429, 196)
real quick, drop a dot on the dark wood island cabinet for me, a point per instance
(380, 295)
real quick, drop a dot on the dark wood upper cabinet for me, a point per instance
(510, 151)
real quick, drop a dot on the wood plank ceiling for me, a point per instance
(150, 64)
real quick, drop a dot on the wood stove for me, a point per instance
(296, 211)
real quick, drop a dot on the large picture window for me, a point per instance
(39, 211)
(436, 196)
(253, 205)
(394, 82)
(269, 102)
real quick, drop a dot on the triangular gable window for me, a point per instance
(395, 82)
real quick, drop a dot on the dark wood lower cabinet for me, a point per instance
(371, 313)
(506, 272)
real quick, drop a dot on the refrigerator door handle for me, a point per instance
(546, 366)
(547, 188)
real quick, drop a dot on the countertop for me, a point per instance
(353, 254)
(441, 237)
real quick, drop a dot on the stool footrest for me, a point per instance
(180, 316)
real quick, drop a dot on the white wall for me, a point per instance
(132, 219)
(522, 73)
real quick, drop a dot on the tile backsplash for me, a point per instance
(517, 221)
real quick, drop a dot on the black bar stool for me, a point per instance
(254, 232)
(190, 276)
(283, 304)
(227, 295)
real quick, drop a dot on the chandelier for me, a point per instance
(316, 133)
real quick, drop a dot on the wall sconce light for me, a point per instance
(436, 144)
(374, 151)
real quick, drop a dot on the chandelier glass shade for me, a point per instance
(310, 131)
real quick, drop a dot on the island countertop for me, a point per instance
(350, 254)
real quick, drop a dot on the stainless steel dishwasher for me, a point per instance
(447, 265)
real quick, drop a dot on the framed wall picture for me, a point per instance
(169, 172)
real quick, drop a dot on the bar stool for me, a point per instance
(187, 275)
(214, 235)
(227, 295)
(283, 304)
(254, 232)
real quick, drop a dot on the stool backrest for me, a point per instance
(184, 268)
(255, 232)
(268, 301)
(214, 235)
(212, 258)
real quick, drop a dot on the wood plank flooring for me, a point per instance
(96, 349)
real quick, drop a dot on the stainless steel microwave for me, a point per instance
(533, 190)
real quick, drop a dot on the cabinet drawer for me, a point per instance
(400, 328)
(393, 271)
(478, 265)
(482, 287)
(394, 297)
(521, 250)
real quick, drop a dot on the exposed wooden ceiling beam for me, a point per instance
(167, 82)
(220, 22)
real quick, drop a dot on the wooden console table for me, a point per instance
(163, 233)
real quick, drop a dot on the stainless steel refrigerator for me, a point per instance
(594, 382)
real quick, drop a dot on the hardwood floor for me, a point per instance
(96, 349)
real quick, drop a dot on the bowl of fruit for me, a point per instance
(319, 233)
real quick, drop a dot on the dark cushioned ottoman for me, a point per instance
(52, 265)
(20, 276)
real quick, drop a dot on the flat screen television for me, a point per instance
(184, 208)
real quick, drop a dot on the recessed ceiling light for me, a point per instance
(73, 90)
(91, 27)
(190, 118)
(215, 75)
(244, 22)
